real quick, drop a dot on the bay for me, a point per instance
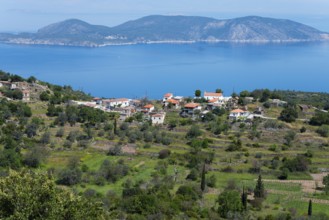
(134, 71)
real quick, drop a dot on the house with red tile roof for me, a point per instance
(212, 95)
(190, 108)
(238, 114)
(148, 108)
(158, 118)
(166, 97)
(172, 103)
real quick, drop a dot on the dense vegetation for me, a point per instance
(77, 162)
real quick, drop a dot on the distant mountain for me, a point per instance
(170, 29)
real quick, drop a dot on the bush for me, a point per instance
(69, 177)
(299, 164)
(303, 129)
(115, 151)
(194, 132)
(211, 181)
(188, 192)
(193, 175)
(323, 130)
(284, 174)
(289, 114)
(60, 132)
(164, 153)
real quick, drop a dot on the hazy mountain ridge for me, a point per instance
(170, 29)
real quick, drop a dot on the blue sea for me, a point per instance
(135, 71)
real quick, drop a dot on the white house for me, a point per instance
(158, 118)
(113, 103)
(98, 100)
(148, 108)
(179, 98)
(213, 95)
(13, 86)
(277, 103)
(238, 114)
(26, 95)
(167, 96)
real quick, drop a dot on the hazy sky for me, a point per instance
(29, 15)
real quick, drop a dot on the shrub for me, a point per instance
(164, 153)
(194, 132)
(323, 130)
(193, 175)
(115, 151)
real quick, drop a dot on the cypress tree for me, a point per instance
(203, 178)
(115, 126)
(244, 199)
(259, 191)
(309, 212)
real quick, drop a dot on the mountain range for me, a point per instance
(169, 29)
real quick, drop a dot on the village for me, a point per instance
(156, 110)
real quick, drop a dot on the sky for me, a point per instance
(30, 15)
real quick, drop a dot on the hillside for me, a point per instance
(170, 29)
(187, 167)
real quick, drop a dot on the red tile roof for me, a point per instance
(237, 111)
(158, 115)
(168, 95)
(173, 101)
(148, 106)
(96, 98)
(213, 94)
(192, 105)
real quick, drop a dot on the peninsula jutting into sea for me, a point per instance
(170, 29)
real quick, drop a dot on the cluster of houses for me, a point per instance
(128, 107)
(30, 91)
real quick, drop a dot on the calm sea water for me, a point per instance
(138, 70)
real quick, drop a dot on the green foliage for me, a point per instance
(29, 195)
(44, 96)
(69, 177)
(218, 90)
(325, 182)
(300, 164)
(289, 114)
(197, 93)
(188, 192)
(235, 145)
(323, 130)
(203, 178)
(14, 94)
(36, 156)
(211, 181)
(290, 137)
(320, 118)
(164, 153)
(112, 172)
(194, 132)
(229, 202)
(259, 191)
(309, 211)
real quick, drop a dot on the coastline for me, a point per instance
(214, 41)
